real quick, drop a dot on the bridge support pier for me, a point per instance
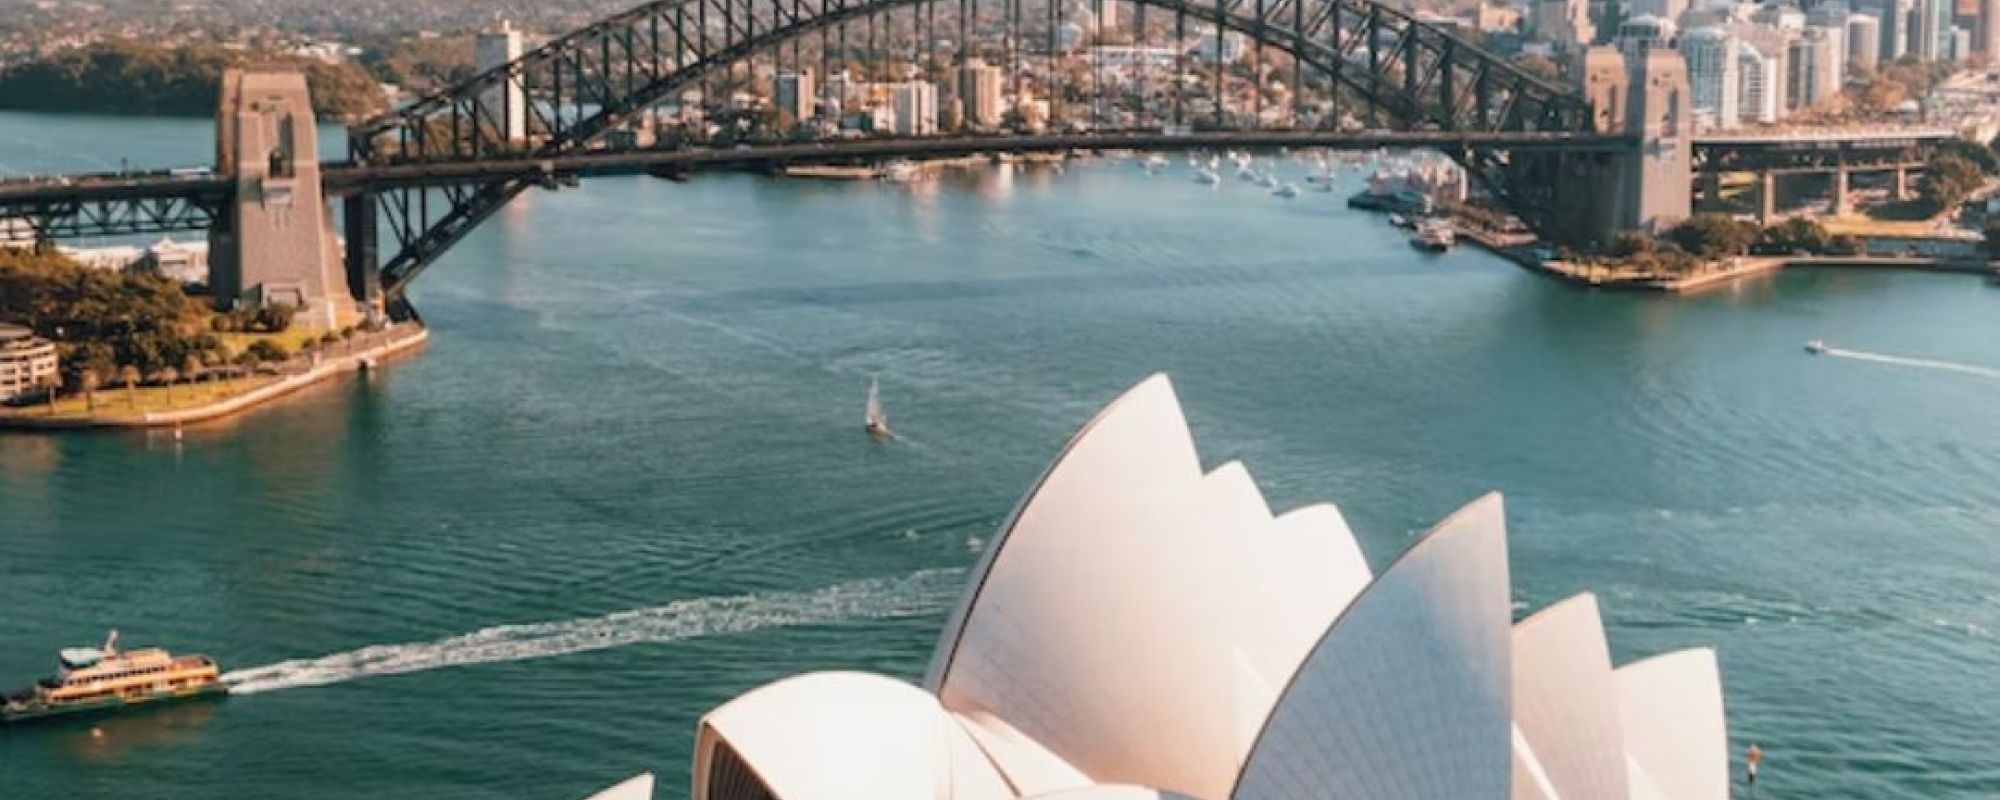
(278, 246)
(1842, 206)
(363, 262)
(1767, 197)
(1900, 189)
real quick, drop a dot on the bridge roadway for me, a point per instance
(20, 194)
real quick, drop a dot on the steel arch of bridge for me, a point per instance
(585, 84)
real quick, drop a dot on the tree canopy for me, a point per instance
(101, 319)
(1948, 179)
(129, 76)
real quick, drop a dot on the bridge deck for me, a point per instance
(345, 176)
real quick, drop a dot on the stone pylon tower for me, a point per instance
(1645, 96)
(278, 245)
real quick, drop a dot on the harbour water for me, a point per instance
(627, 480)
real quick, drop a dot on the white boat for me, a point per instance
(1287, 191)
(901, 171)
(1207, 177)
(1433, 236)
(1816, 347)
(876, 422)
(1267, 180)
(1246, 174)
(1156, 161)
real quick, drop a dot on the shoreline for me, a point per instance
(236, 404)
(1741, 268)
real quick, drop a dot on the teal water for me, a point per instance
(644, 397)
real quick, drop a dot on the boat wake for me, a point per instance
(1921, 363)
(923, 593)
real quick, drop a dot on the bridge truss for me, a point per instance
(583, 86)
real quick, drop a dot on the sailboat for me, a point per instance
(876, 421)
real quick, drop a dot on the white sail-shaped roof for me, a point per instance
(1675, 733)
(843, 736)
(1407, 696)
(1129, 576)
(1113, 792)
(1142, 630)
(1565, 704)
(638, 787)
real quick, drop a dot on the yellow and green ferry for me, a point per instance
(104, 679)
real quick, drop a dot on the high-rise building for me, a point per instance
(1988, 39)
(1760, 95)
(1864, 40)
(1930, 32)
(506, 105)
(1896, 17)
(1642, 34)
(1813, 69)
(1961, 43)
(792, 95)
(915, 106)
(1669, 10)
(1564, 23)
(1712, 82)
(979, 93)
(1831, 15)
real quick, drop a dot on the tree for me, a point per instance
(86, 382)
(129, 375)
(1713, 235)
(50, 384)
(1982, 157)
(265, 350)
(168, 376)
(1948, 179)
(275, 318)
(1797, 235)
(1633, 243)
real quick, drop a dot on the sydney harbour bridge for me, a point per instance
(1574, 164)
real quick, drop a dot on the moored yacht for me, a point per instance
(104, 678)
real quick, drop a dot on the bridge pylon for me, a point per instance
(1645, 96)
(276, 242)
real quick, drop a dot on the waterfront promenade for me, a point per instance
(364, 351)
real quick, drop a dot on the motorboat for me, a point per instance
(1287, 191)
(1816, 347)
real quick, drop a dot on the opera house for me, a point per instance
(1142, 628)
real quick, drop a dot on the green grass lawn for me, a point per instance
(118, 402)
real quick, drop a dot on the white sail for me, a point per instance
(875, 418)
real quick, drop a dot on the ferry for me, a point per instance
(1433, 236)
(105, 679)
